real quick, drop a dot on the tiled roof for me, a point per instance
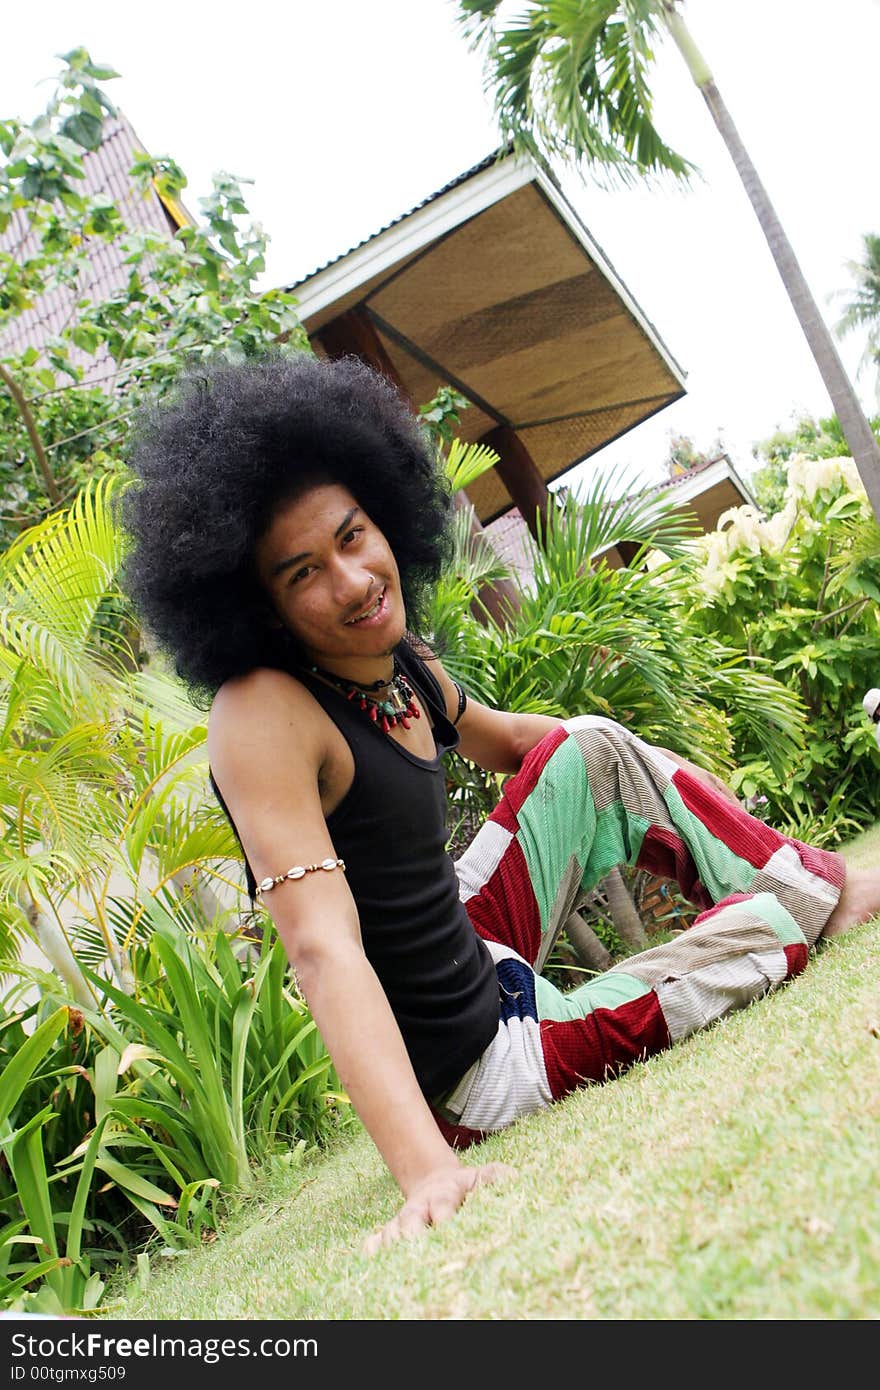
(106, 171)
(684, 475)
(509, 535)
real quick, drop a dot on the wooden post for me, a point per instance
(354, 334)
(519, 474)
(627, 550)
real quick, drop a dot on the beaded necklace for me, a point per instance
(397, 707)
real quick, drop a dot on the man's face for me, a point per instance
(333, 581)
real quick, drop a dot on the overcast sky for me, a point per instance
(348, 113)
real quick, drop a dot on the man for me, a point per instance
(287, 526)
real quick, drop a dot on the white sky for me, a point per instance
(348, 113)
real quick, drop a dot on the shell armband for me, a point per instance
(298, 871)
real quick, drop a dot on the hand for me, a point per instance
(715, 783)
(436, 1198)
(709, 778)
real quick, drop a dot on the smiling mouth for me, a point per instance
(370, 612)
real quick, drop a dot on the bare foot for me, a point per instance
(859, 901)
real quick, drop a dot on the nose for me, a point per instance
(351, 582)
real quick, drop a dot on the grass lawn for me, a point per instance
(734, 1177)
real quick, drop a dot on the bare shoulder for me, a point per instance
(263, 688)
(261, 719)
(266, 741)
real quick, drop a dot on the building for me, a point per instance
(106, 170)
(494, 286)
(701, 494)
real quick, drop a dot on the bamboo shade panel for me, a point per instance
(572, 439)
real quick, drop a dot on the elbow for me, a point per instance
(528, 731)
(317, 963)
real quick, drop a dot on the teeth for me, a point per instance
(371, 612)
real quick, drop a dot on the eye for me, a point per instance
(299, 574)
(350, 535)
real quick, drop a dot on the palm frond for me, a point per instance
(165, 695)
(570, 79)
(861, 310)
(53, 582)
(855, 568)
(464, 463)
(605, 515)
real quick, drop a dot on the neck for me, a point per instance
(366, 673)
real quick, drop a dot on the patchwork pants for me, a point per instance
(588, 797)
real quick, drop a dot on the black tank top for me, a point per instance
(390, 828)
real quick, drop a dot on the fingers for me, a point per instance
(431, 1208)
(409, 1222)
(492, 1172)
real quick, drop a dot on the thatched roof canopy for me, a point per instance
(494, 285)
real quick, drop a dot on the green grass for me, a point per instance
(733, 1177)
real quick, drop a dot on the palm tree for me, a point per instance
(862, 309)
(571, 79)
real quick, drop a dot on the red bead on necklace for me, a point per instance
(397, 707)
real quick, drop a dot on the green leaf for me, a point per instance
(133, 1182)
(85, 129)
(20, 1069)
(87, 336)
(466, 462)
(83, 1187)
(38, 1270)
(28, 1164)
(105, 1081)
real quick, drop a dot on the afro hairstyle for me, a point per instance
(213, 461)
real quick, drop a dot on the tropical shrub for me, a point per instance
(49, 1237)
(815, 439)
(800, 591)
(147, 1117)
(616, 642)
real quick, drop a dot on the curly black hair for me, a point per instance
(213, 461)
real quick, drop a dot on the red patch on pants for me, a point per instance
(505, 909)
(603, 1044)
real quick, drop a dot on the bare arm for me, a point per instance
(498, 741)
(265, 747)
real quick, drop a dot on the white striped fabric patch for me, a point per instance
(509, 1079)
(705, 995)
(809, 898)
(480, 860)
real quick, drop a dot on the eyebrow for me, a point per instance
(304, 555)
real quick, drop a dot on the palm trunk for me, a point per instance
(857, 431)
(56, 948)
(586, 944)
(627, 922)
